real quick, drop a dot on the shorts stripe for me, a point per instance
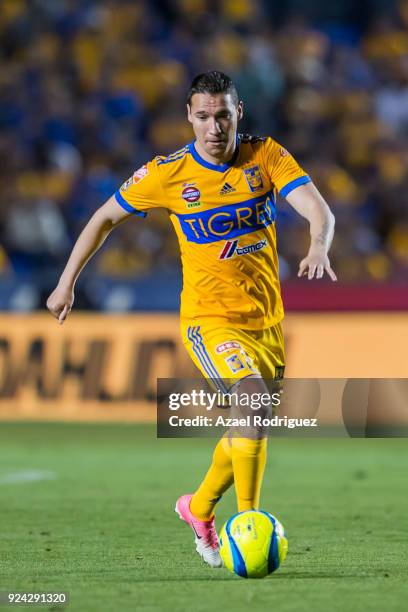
(197, 350)
(203, 357)
(201, 347)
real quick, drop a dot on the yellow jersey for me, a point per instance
(224, 217)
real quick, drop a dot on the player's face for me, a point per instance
(215, 119)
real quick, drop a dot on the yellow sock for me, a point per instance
(248, 461)
(217, 480)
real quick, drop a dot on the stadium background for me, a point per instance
(89, 90)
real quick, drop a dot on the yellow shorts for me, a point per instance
(230, 353)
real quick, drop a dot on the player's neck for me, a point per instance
(226, 157)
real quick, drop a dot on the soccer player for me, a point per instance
(220, 192)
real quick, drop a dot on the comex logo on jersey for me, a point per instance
(231, 248)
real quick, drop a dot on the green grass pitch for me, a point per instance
(104, 528)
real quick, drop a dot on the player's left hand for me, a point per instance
(316, 263)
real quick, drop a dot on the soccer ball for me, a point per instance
(253, 544)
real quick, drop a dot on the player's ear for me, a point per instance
(240, 110)
(189, 113)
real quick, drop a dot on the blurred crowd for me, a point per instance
(90, 90)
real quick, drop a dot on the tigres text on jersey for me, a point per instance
(224, 217)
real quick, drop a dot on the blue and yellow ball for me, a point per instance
(253, 544)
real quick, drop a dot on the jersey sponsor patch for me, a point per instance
(231, 248)
(140, 173)
(227, 346)
(253, 178)
(135, 178)
(231, 221)
(191, 194)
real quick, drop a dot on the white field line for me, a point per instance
(27, 476)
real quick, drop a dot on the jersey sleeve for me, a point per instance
(142, 191)
(283, 170)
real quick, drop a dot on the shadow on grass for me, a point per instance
(282, 576)
(277, 576)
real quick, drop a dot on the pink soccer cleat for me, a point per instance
(206, 538)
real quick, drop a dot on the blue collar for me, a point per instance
(217, 167)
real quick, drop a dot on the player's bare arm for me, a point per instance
(94, 234)
(310, 204)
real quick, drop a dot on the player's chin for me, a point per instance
(219, 145)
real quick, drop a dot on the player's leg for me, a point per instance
(213, 352)
(249, 444)
(221, 355)
(244, 356)
(217, 480)
(240, 457)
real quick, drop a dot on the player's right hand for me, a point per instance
(60, 303)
